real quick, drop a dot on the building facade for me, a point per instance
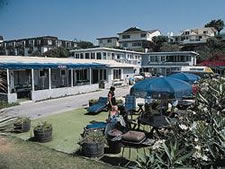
(165, 63)
(137, 39)
(27, 47)
(109, 42)
(38, 78)
(193, 36)
(121, 56)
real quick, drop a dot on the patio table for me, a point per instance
(157, 122)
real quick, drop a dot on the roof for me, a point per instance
(22, 62)
(113, 37)
(136, 29)
(1, 37)
(105, 49)
(170, 53)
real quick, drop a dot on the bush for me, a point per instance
(43, 126)
(93, 137)
(198, 138)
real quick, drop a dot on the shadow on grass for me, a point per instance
(117, 161)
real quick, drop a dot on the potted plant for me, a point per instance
(43, 132)
(92, 144)
(22, 124)
(92, 101)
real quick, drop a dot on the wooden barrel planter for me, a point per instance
(43, 134)
(114, 146)
(22, 125)
(93, 150)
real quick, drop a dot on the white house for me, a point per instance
(137, 39)
(109, 42)
(102, 53)
(193, 36)
(38, 78)
(164, 63)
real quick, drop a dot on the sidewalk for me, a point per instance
(36, 110)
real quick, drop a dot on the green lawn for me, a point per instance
(18, 154)
(67, 128)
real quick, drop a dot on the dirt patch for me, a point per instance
(5, 145)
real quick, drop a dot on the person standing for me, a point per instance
(111, 98)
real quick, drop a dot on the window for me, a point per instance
(81, 56)
(92, 55)
(102, 74)
(77, 55)
(126, 37)
(42, 73)
(113, 56)
(81, 74)
(39, 42)
(205, 32)
(125, 45)
(136, 44)
(117, 74)
(87, 56)
(100, 41)
(143, 35)
(49, 42)
(63, 72)
(99, 56)
(109, 40)
(104, 55)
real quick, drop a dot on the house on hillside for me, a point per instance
(165, 63)
(193, 36)
(136, 39)
(109, 42)
(26, 47)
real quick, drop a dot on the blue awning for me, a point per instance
(49, 65)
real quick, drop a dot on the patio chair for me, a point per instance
(130, 104)
(99, 106)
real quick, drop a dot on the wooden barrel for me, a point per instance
(43, 135)
(23, 127)
(93, 149)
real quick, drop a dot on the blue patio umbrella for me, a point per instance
(162, 88)
(187, 77)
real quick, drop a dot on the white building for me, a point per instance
(38, 78)
(165, 63)
(101, 53)
(137, 39)
(193, 36)
(109, 42)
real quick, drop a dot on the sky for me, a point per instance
(91, 19)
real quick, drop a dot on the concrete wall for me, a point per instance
(61, 92)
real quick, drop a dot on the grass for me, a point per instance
(19, 154)
(6, 105)
(67, 128)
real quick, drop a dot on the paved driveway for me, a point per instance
(40, 109)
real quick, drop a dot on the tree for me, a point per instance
(158, 42)
(166, 47)
(217, 24)
(59, 52)
(85, 44)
